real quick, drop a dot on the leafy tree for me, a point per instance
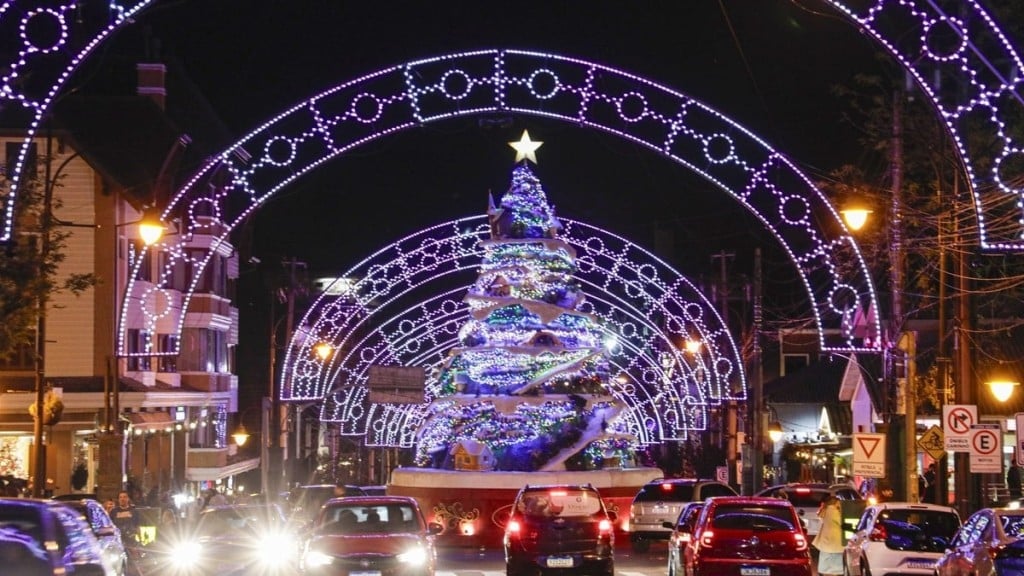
(30, 266)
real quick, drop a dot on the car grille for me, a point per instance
(364, 562)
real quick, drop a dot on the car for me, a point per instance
(900, 537)
(560, 527)
(108, 536)
(660, 501)
(682, 532)
(747, 536)
(989, 537)
(381, 535)
(305, 501)
(807, 498)
(47, 537)
(231, 539)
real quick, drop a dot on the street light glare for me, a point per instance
(151, 227)
(241, 435)
(1002, 389)
(855, 218)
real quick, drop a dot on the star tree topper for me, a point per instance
(526, 148)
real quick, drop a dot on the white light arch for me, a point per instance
(405, 308)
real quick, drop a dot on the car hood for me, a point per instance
(340, 545)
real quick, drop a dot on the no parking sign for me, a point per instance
(986, 449)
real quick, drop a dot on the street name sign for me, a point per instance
(957, 420)
(986, 449)
(869, 455)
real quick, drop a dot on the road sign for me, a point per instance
(932, 442)
(869, 455)
(1019, 452)
(986, 449)
(957, 420)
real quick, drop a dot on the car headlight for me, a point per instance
(315, 559)
(414, 557)
(186, 554)
(276, 548)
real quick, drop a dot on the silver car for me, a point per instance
(660, 501)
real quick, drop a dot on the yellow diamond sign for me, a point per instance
(932, 442)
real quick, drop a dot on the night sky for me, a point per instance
(768, 64)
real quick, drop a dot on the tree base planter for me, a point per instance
(473, 507)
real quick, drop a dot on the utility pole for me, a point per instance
(731, 431)
(756, 402)
(967, 497)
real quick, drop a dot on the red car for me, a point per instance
(380, 535)
(748, 536)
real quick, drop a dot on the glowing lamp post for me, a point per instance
(775, 432)
(1002, 389)
(241, 435)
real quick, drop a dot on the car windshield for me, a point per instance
(757, 518)
(369, 519)
(560, 502)
(1013, 525)
(230, 520)
(676, 491)
(918, 530)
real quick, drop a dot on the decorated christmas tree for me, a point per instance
(527, 386)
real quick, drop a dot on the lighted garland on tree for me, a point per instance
(529, 379)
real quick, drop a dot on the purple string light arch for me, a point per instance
(963, 62)
(403, 307)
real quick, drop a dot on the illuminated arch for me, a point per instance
(331, 123)
(405, 308)
(975, 70)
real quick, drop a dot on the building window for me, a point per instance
(204, 351)
(792, 363)
(138, 341)
(168, 343)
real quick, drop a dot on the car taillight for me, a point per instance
(707, 537)
(878, 534)
(801, 542)
(605, 526)
(513, 528)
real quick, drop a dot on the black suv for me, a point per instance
(661, 500)
(560, 527)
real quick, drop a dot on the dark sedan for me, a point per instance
(44, 537)
(233, 539)
(379, 535)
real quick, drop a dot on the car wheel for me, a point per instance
(641, 545)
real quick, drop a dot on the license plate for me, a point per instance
(559, 562)
(755, 571)
(365, 573)
(920, 564)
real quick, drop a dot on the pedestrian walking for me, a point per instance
(829, 541)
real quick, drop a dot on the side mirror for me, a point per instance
(613, 516)
(433, 528)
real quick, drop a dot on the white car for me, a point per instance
(900, 537)
(807, 499)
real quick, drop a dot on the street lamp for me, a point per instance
(1002, 389)
(775, 432)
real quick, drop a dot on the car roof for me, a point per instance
(344, 500)
(682, 481)
(912, 506)
(759, 500)
(559, 487)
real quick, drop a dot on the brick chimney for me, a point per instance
(151, 82)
